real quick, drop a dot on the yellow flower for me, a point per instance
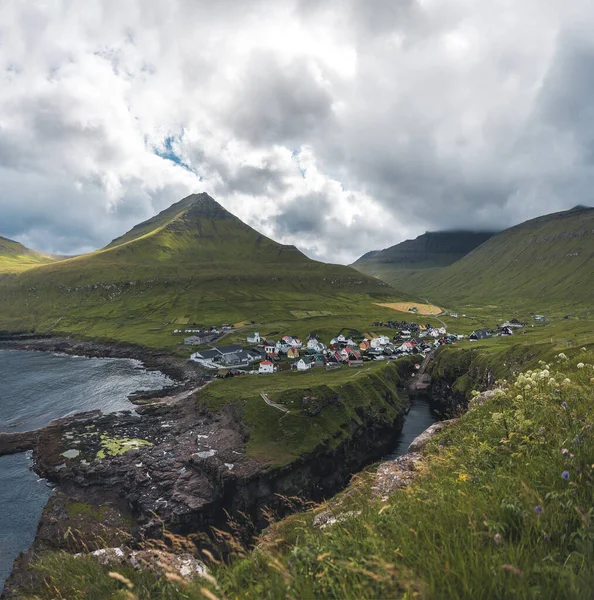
(463, 477)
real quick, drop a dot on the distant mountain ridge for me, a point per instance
(16, 258)
(431, 250)
(544, 261)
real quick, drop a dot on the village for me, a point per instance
(260, 355)
(266, 356)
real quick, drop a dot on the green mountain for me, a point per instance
(193, 263)
(540, 263)
(432, 250)
(16, 258)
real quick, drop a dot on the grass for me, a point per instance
(543, 263)
(490, 515)
(16, 258)
(324, 406)
(194, 263)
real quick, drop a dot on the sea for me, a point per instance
(35, 388)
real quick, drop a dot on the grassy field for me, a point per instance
(193, 263)
(16, 258)
(422, 309)
(322, 405)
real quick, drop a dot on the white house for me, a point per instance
(304, 364)
(265, 367)
(313, 344)
(254, 338)
(380, 342)
(269, 347)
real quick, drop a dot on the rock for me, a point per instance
(326, 518)
(158, 561)
(481, 399)
(395, 475)
(421, 440)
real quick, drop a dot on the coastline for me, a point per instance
(189, 471)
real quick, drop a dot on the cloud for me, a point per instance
(339, 126)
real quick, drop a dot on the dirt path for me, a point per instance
(274, 404)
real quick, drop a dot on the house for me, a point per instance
(405, 333)
(269, 347)
(540, 318)
(506, 331)
(254, 338)
(364, 345)
(319, 360)
(379, 342)
(199, 340)
(231, 349)
(266, 367)
(312, 343)
(454, 315)
(479, 334)
(305, 363)
(293, 353)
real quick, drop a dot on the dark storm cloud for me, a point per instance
(278, 104)
(303, 216)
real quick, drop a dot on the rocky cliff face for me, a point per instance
(181, 468)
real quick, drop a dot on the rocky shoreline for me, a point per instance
(170, 466)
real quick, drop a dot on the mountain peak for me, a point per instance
(205, 206)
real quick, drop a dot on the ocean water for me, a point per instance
(419, 417)
(36, 387)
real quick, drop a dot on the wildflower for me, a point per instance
(441, 446)
(546, 538)
(564, 451)
(565, 474)
(562, 356)
(566, 380)
(527, 387)
(538, 509)
(462, 477)
(497, 538)
(564, 404)
(576, 440)
(580, 365)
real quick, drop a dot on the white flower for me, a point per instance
(528, 387)
(544, 374)
(552, 381)
(567, 380)
(562, 356)
(518, 397)
(580, 365)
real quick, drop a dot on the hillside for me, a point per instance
(544, 262)
(16, 258)
(432, 250)
(193, 263)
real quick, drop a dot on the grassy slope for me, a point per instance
(16, 258)
(194, 263)
(432, 250)
(344, 395)
(467, 528)
(543, 263)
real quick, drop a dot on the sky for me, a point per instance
(340, 126)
